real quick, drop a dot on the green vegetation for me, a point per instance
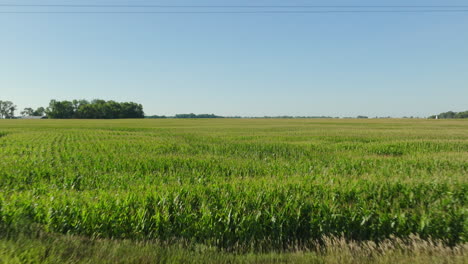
(156, 117)
(28, 111)
(240, 185)
(192, 115)
(96, 109)
(450, 115)
(7, 109)
(51, 248)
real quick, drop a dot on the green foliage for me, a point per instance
(236, 182)
(451, 115)
(28, 111)
(155, 117)
(462, 114)
(96, 109)
(40, 111)
(7, 109)
(38, 247)
(192, 115)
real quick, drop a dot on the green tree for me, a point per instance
(28, 111)
(7, 109)
(40, 111)
(462, 115)
(60, 109)
(96, 109)
(451, 114)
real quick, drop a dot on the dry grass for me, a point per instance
(394, 250)
(48, 248)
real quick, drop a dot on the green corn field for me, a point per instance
(236, 183)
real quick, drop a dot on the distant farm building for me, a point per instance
(32, 117)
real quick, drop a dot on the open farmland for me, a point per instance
(236, 184)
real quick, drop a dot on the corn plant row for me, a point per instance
(265, 183)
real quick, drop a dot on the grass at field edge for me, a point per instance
(42, 247)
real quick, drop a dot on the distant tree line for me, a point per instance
(102, 109)
(248, 117)
(96, 109)
(28, 111)
(156, 117)
(192, 115)
(450, 115)
(289, 117)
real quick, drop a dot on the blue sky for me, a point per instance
(404, 64)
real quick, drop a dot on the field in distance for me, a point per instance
(238, 185)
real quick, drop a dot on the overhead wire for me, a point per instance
(222, 9)
(231, 6)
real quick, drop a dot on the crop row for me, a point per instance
(227, 214)
(227, 183)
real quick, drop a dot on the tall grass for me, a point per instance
(60, 249)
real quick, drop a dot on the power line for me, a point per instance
(235, 12)
(229, 6)
(224, 9)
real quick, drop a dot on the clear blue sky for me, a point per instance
(241, 64)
